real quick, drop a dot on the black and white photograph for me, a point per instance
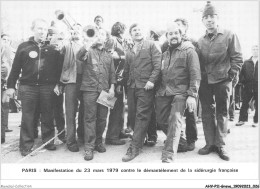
(129, 94)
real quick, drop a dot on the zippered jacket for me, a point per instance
(37, 65)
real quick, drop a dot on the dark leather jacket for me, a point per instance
(39, 65)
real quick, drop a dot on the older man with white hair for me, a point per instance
(178, 88)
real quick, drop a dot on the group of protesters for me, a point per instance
(162, 85)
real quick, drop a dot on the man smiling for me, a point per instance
(141, 72)
(178, 88)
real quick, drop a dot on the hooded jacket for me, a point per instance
(39, 65)
(180, 73)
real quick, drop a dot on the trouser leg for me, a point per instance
(90, 118)
(222, 92)
(247, 96)
(100, 123)
(191, 127)
(152, 127)
(144, 102)
(116, 122)
(175, 123)
(70, 111)
(30, 97)
(46, 108)
(208, 114)
(163, 109)
(131, 102)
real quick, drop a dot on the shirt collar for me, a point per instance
(216, 32)
(141, 42)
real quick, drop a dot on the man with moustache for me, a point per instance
(221, 60)
(142, 69)
(178, 88)
(191, 127)
(40, 65)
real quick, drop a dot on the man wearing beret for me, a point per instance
(221, 60)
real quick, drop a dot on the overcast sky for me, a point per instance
(242, 17)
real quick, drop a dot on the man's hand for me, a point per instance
(10, 92)
(118, 89)
(111, 93)
(88, 43)
(191, 103)
(115, 55)
(149, 85)
(57, 90)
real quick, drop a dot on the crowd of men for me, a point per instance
(162, 85)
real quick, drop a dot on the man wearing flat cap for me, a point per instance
(221, 60)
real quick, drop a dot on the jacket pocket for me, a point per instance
(145, 74)
(144, 53)
(218, 48)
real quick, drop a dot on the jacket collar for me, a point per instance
(219, 30)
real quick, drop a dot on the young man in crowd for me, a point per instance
(142, 69)
(71, 78)
(221, 60)
(98, 75)
(115, 130)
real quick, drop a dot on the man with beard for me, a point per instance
(142, 69)
(98, 75)
(191, 127)
(40, 65)
(221, 60)
(178, 88)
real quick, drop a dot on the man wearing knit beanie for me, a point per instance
(221, 60)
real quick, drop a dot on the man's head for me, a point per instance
(118, 29)
(210, 17)
(255, 51)
(183, 24)
(98, 20)
(99, 39)
(76, 34)
(5, 39)
(174, 34)
(52, 32)
(136, 32)
(40, 29)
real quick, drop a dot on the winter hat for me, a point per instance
(209, 10)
